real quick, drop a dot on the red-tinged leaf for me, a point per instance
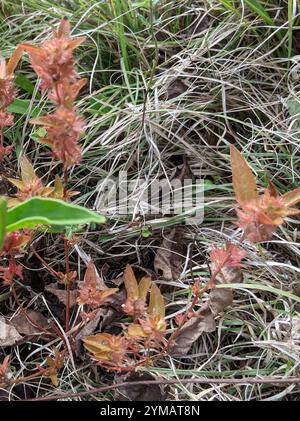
(4, 367)
(14, 60)
(93, 291)
(157, 304)
(264, 219)
(292, 211)
(92, 279)
(244, 182)
(2, 68)
(135, 330)
(64, 28)
(107, 347)
(75, 42)
(45, 120)
(291, 198)
(228, 256)
(272, 189)
(98, 342)
(144, 286)
(32, 49)
(77, 86)
(131, 285)
(5, 362)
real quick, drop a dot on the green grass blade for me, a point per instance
(290, 27)
(259, 287)
(259, 9)
(228, 5)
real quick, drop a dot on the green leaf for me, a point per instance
(146, 231)
(3, 218)
(21, 106)
(293, 106)
(23, 82)
(38, 134)
(49, 212)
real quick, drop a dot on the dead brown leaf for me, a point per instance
(219, 299)
(170, 256)
(24, 325)
(61, 294)
(103, 317)
(9, 335)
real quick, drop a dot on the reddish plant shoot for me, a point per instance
(109, 348)
(8, 273)
(228, 256)
(135, 304)
(54, 63)
(7, 95)
(259, 215)
(53, 60)
(29, 185)
(53, 367)
(93, 292)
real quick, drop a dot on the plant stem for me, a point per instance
(52, 271)
(66, 246)
(67, 260)
(1, 137)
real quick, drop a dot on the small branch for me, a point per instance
(52, 271)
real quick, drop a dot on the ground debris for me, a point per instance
(33, 324)
(61, 294)
(138, 392)
(9, 335)
(169, 257)
(204, 319)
